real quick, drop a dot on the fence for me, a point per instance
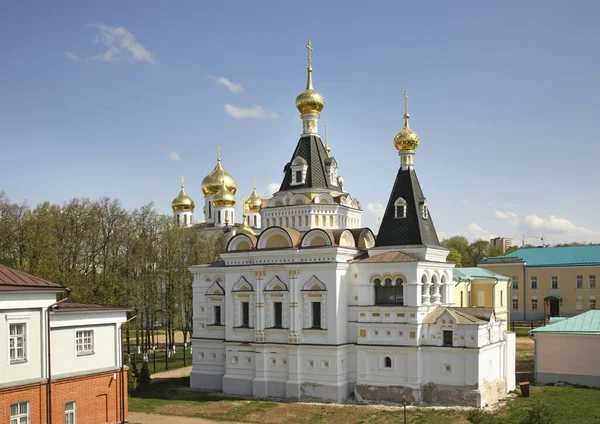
(161, 359)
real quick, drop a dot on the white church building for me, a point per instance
(312, 306)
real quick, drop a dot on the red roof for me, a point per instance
(81, 307)
(13, 279)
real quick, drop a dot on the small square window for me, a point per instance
(84, 341)
(19, 413)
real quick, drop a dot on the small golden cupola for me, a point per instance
(244, 228)
(183, 202)
(254, 202)
(310, 102)
(224, 198)
(211, 184)
(406, 141)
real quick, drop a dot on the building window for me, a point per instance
(217, 320)
(278, 314)
(534, 304)
(184, 219)
(592, 281)
(84, 340)
(400, 208)
(592, 302)
(298, 176)
(533, 283)
(579, 303)
(580, 281)
(515, 304)
(515, 283)
(70, 413)
(387, 362)
(447, 337)
(255, 221)
(245, 314)
(177, 220)
(19, 413)
(17, 343)
(425, 211)
(387, 293)
(218, 217)
(316, 314)
(554, 282)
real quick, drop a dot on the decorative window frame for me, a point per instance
(265, 235)
(243, 292)
(299, 164)
(276, 291)
(399, 202)
(312, 234)
(237, 239)
(314, 291)
(17, 319)
(348, 238)
(366, 239)
(424, 206)
(331, 167)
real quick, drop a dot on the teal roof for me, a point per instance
(586, 323)
(554, 256)
(476, 273)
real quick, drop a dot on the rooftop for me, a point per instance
(12, 280)
(586, 323)
(476, 273)
(82, 307)
(552, 256)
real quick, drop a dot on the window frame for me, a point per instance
(400, 203)
(387, 362)
(592, 303)
(592, 279)
(447, 334)
(15, 346)
(278, 314)
(554, 282)
(315, 310)
(534, 304)
(515, 303)
(385, 290)
(80, 340)
(245, 314)
(533, 282)
(579, 282)
(71, 412)
(217, 315)
(515, 283)
(579, 303)
(16, 419)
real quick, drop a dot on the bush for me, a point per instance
(538, 413)
(132, 377)
(144, 377)
(481, 416)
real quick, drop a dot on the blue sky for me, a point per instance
(102, 98)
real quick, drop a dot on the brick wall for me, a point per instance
(97, 396)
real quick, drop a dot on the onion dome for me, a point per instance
(244, 228)
(211, 184)
(406, 141)
(310, 102)
(254, 202)
(183, 202)
(224, 197)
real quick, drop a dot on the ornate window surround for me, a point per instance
(215, 296)
(314, 291)
(276, 291)
(243, 292)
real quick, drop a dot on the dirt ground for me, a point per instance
(143, 418)
(524, 365)
(180, 372)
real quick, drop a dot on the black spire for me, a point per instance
(416, 227)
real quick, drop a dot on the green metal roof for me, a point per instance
(586, 323)
(476, 273)
(554, 256)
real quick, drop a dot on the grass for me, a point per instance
(522, 331)
(175, 361)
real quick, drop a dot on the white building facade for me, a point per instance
(317, 308)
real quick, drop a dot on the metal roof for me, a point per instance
(586, 323)
(13, 279)
(553, 256)
(476, 273)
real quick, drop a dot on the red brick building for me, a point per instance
(85, 382)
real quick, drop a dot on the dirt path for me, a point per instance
(143, 418)
(178, 373)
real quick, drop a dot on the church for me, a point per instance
(307, 304)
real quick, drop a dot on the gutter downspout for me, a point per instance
(524, 293)
(123, 369)
(508, 302)
(49, 386)
(534, 356)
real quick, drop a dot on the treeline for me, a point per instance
(465, 254)
(107, 255)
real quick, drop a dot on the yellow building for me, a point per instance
(479, 288)
(549, 281)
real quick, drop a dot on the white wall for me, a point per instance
(64, 354)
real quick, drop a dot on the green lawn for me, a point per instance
(171, 397)
(175, 362)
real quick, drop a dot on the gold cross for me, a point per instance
(182, 181)
(405, 102)
(309, 47)
(218, 152)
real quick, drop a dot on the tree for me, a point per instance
(455, 256)
(461, 245)
(477, 251)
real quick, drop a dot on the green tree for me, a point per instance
(477, 251)
(455, 256)
(461, 245)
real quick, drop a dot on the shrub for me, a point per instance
(144, 377)
(132, 377)
(538, 413)
(481, 416)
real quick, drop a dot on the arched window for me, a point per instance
(433, 287)
(184, 219)
(388, 362)
(387, 293)
(442, 290)
(219, 217)
(424, 287)
(400, 208)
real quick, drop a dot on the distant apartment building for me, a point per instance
(549, 281)
(62, 361)
(503, 243)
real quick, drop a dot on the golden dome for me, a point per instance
(406, 140)
(244, 228)
(224, 197)
(254, 202)
(211, 184)
(183, 202)
(310, 102)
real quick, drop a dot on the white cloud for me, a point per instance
(555, 225)
(254, 112)
(507, 216)
(466, 202)
(174, 156)
(475, 232)
(120, 43)
(72, 56)
(232, 86)
(273, 188)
